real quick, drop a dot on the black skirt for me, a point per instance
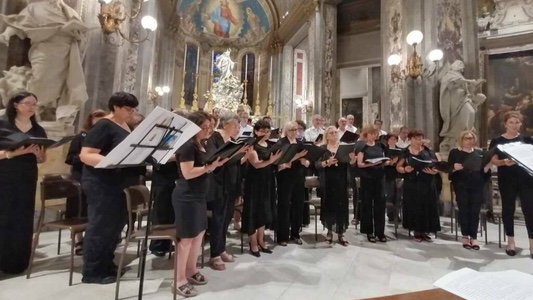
(190, 209)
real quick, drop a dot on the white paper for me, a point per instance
(473, 285)
(375, 160)
(519, 152)
(147, 134)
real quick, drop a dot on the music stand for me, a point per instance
(521, 153)
(153, 143)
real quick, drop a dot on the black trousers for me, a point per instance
(372, 207)
(470, 197)
(290, 208)
(162, 214)
(390, 194)
(222, 208)
(355, 193)
(107, 216)
(510, 189)
(17, 207)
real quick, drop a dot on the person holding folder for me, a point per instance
(469, 178)
(224, 189)
(420, 210)
(389, 187)
(291, 189)
(257, 209)
(333, 184)
(189, 200)
(371, 161)
(104, 189)
(18, 184)
(513, 182)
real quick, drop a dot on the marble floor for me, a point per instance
(310, 271)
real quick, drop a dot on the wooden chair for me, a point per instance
(310, 183)
(136, 196)
(53, 187)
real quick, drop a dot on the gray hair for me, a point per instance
(227, 117)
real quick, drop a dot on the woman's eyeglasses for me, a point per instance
(28, 104)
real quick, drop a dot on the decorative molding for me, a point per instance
(450, 30)
(395, 92)
(329, 58)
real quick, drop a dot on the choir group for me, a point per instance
(266, 183)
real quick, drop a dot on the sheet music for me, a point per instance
(473, 285)
(150, 135)
(521, 153)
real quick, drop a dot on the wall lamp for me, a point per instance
(113, 14)
(414, 68)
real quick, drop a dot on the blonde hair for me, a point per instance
(369, 129)
(288, 126)
(462, 136)
(325, 134)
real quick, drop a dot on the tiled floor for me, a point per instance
(295, 272)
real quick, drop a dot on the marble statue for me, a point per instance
(228, 91)
(15, 80)
(58, 40)
(225, 65)
(458, 103)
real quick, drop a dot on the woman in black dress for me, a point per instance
(73, 159)
(469, 178)
(189, 200)
(372, 178)
(333, 184)
(291, 190)
(18, 183)
(104, 189)
(224, 188)
(513, 182)
(389, 186)
(257, 210)
(420, 210)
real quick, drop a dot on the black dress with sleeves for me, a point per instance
(18, 183)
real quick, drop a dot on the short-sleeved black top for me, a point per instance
(105, 136)
(35, 131)
(466, 176)
(515, 170)
(187, 153)
(370, 152)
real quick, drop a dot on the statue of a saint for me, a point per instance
(458, 103)
(57, 36)
(225, 65)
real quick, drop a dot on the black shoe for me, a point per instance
(382, 239)
(510, 252)
(265, 250)
(256, 253)
(99, 280)
(159, 253)
(371, 238)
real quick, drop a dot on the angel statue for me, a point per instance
(225, 65)
(459, 100)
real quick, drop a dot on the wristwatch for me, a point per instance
(8, 155)
(207, 170)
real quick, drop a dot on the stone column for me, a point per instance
(285, 100)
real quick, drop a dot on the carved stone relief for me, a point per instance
(395, 47)
(449, 30)
(130, 77)
(329, 52)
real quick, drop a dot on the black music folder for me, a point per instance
(349, 137)
(473, 162)
(288, 153)
(250, 141)
(343, 152)
(443, 166)
(314, 153)
(319, 138)
(420, 164)
(18, 139)
(225, 151)
(274, 134)
(394, 152)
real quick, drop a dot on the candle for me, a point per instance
(246, 67)
(197, 59)
(259, 69)
(270, 77)
(212, 63)
(184, 58)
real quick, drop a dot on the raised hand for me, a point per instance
(275, 156)
(409, 169)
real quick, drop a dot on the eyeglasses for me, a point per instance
(205, 127)
(292, 130)
(28, 104)
(301, 129)
(130, 109)
(468, 138)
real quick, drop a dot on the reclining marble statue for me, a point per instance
(459, 100)
(58, 41)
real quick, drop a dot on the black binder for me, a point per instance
(319, 138)
(314, 153)
(288, 153)
(343, 152)
(17, 140)
(225, 151)
(349, 137)
(473, 162)
(274, 134)
(394, 152)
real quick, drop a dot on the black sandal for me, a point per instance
(197, 279)
(371, 238)
(343, 241)
(466, 243)
(297, 241)
(329, 239)
(78, 248)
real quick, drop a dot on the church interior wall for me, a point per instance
(359, 50)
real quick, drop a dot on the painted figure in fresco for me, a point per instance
(222, 19)
(58, 39)
(253, 22)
